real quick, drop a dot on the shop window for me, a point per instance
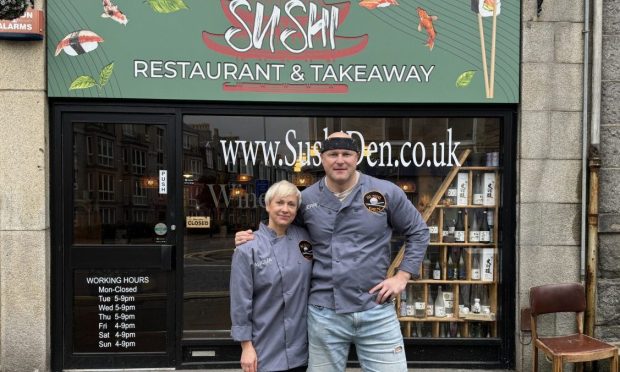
(415, 153)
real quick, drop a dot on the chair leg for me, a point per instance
(534, 357)
(614, 362)
(557, 364)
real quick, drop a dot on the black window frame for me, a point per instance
(457, 353)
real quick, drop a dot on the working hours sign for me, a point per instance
(378, 51)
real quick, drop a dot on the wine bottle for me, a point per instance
(419, 304)
(430, 309)
(475, 267)
(485, 233)
(402, 311)
(474, 229)
(459, 229)
(410, 306)
(437, 270)
(462, 267)
(491, 222)
(440, 306)
(478, 189)
(426, 267)
(448, 299)
(451, 268)
(433, 229)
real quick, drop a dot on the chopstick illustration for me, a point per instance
(484, 9)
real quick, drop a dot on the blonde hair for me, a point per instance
(282, 189)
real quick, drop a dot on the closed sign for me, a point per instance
(197, 222)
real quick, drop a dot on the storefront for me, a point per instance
(170, 119)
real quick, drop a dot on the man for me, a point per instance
(350, 217)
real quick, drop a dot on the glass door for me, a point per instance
(118, 241)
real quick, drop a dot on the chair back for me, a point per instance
(557, 298)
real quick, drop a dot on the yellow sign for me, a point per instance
(197, 222)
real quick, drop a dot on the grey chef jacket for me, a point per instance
(351, 240)
(269, 285)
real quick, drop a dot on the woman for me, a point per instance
(269, 284)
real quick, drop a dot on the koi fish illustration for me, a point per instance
(79, 42)
(111, 11)
(426, 22)
(373, 4)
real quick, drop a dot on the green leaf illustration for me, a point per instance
(105, 74)
(83, 82)
(167, 6)
(465, 78)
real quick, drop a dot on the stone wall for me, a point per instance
(549, 158)
(608, 296)
(24, 211)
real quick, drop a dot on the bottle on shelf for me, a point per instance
(448, 231)
(475, 308)
(452, 268)
(402, 310)
(410, 301)
(440, 306)
(448, 300)
(491, 222)
(459, 228)
(485, 232)
(418, 326)
(419, 304)
(475, 267)
(426, 267)
(462, 266)
(488, 185)
(474, 228)
(478, 189)
(433, 229)
(454, 329)
(462, 188)
(464, 292)
(430, 307)
(437, 270)
(451, 194)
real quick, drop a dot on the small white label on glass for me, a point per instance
(163, 181)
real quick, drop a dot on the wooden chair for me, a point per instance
(575, 348)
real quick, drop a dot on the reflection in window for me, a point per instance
(105, 152)
(116, 202)
(106, 187)
(138, 163)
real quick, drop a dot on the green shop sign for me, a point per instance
(379, 51)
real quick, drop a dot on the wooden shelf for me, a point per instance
(445, 281)
(473, 245)
(469, 206)
(425, 288)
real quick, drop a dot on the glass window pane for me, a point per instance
(230, 161)
(116, 195)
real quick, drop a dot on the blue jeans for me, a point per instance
(375, 333)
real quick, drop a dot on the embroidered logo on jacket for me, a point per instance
(374, 201)
(306, 249)
(260, 264)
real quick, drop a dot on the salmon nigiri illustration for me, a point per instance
(426, 22)
(78, 42)
(373, 4)
(111, 11)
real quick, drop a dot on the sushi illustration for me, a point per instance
(111, 11)
(426, 23)
(78, 42)
(373, 4)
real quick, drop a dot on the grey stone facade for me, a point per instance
(608, 295)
